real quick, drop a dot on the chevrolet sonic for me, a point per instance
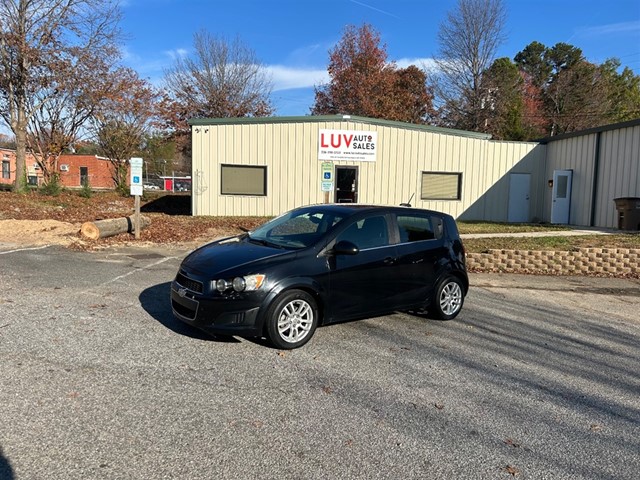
(323, 264)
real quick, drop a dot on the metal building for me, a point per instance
(266, 166)
(587, 170)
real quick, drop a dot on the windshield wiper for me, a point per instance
(263, 242)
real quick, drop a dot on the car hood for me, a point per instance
(231, 253)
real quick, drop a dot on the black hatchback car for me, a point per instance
(322, 264)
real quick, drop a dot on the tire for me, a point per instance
(292, 319)
(448, 299)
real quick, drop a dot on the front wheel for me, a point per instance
(448, 299)
(292, 319)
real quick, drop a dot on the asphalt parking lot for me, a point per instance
(538, 378)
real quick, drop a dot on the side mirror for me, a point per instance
(345, 247)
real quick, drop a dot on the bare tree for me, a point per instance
(57, 122)
(43, 43)
(469, 39)
(222, 79)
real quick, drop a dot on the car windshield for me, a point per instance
(296, 229)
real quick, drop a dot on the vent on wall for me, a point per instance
(64, 168)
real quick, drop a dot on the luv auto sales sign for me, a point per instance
(350, 145)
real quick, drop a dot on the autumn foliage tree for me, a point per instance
(42, 45)
(59, 119)
(123, 121)
(575, 94)
(364, 83)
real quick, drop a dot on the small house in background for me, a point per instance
(93, 170)
(8, 176)
(74, 170)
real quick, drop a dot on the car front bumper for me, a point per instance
(220, 315)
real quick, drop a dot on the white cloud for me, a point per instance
(611, 28)
(177, 53)
(286, 78)
(427, 64)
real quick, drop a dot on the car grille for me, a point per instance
(183, 310)
(188, 283)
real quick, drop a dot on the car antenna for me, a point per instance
(408, 204)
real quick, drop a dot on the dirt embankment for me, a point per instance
(35, 219)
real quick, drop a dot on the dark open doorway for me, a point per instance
(346, 184)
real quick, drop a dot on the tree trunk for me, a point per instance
(20, 132)
(112, 226)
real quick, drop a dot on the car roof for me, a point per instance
(353, 208)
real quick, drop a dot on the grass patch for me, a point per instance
(481, 245)
(497, 227)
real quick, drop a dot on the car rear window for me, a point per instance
(416, 228)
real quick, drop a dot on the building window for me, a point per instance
(243, 180)
(6, 172)
(84, 176)
(441, 186)
(32, 180)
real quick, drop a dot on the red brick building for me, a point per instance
(8, 164)
(75, 170)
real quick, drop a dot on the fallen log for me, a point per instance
(112, 226)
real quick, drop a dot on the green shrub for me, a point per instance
(86, 191)
(52, 187)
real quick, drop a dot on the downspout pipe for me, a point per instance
(596, 177)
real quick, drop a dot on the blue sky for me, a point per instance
(292, 37)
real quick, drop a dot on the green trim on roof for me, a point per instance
(589, 131)
(336, 118)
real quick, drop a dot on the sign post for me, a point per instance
(327, 180)
(136, 190)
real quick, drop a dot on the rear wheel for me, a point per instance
(292, 319)
(448, 299)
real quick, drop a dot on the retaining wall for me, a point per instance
(585, 261)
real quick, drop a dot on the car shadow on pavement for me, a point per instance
(155, 301)
(6, 472)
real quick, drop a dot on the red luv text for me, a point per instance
(336, 140)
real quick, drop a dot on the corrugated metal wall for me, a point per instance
(617, 170)
(575, 154)
(290, 152)
(489, 192)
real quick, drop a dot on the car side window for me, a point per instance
(415, 228)
(368, 233)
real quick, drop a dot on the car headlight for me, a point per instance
(222, 285)
(248, 283)
(254, 282)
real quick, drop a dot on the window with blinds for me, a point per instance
(243, 180)
(441, 186)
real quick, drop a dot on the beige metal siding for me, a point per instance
(487, 192)
(290, 152)
(619, 172)
(577, 154)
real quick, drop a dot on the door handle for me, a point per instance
(389, 261)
